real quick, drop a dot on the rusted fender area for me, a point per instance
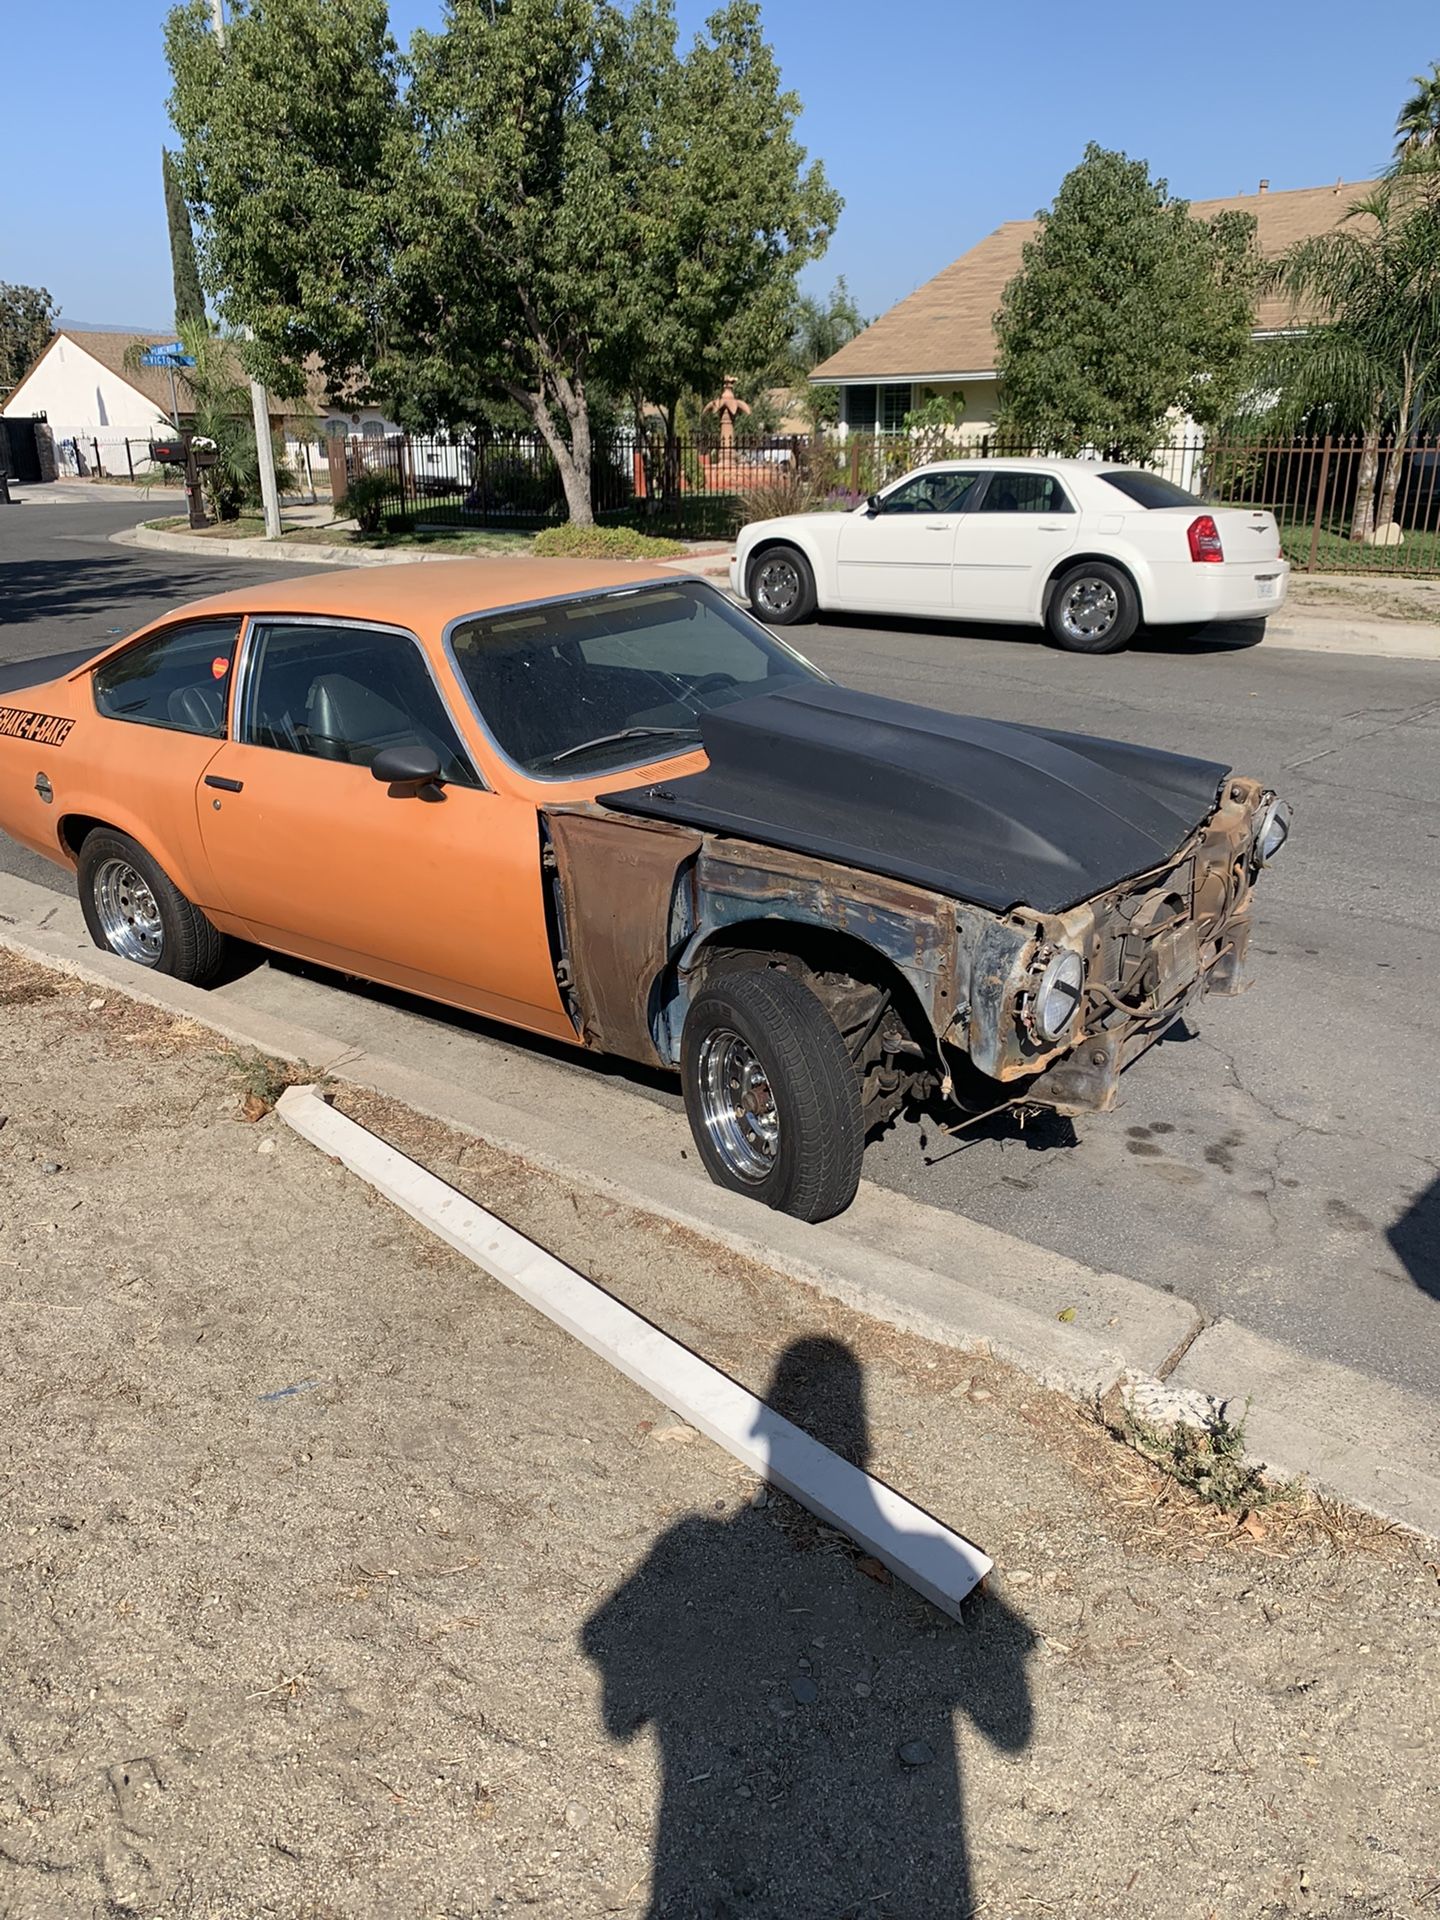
(636, 904)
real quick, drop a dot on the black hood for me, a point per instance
(995, 814)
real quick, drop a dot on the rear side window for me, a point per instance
(1025, 493)
(1148, 489)
(178, 679)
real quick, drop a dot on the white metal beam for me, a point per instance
(917, 1548)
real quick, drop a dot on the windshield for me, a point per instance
(1149, 489)
(618, 678)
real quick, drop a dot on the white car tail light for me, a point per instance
(1204, 538)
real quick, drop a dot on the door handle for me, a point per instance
(937, 526)
(225, 786)
(1053, 526)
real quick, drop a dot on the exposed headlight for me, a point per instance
(1272, 832)
(1055, 998)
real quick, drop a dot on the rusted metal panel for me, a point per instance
(740, 881)
(618, 879)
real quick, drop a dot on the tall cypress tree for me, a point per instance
(189, 300)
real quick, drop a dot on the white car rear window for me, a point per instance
(1148, 489)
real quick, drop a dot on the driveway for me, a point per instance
(1279, 1162)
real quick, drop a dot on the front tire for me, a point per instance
(134, 910)
(1093, 608)
(772, 1095)
(781, 586)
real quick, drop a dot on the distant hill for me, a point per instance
(102, 326)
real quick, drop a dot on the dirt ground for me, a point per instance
(1367, 597)
(336, 1583)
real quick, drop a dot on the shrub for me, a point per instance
(365, 500)
(603, 543)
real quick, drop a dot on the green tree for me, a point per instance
(185, 270)
(542, 198)
(1127, 310)
(27, 320)
(1366, 352)
(289, 134)
(1418, 127)
(820, 329)
(723, 213)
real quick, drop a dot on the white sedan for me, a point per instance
(1086, 549)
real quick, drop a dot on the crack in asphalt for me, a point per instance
(1298, 1127)
(1341, 746)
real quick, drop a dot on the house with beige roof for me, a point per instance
(941, 340)
(82, 387)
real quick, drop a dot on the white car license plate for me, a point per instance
(1265, 585)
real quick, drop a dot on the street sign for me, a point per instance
(172, 354)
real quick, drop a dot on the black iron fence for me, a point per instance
(697, 487)
(1344, 505)
(88, 456)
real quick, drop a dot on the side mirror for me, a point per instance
(410, 765)
(874, 504)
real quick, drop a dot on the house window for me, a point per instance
(877, 409)
(894, 405)
(860, 403)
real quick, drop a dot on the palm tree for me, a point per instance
(820, 329)
(221, 414)
(1366, 351)
(1418, 127)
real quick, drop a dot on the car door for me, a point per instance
(437, 890)
(160, 720)
(1018, 527)
(897, 557)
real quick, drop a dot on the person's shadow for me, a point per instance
(805, 1712)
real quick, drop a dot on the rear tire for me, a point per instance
(781, 586)
(1093, 608)
(772, 1095)
(134, 910)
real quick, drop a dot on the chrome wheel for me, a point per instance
(737, 1105)
(775, 585)
(1090, 608)
(129, 917)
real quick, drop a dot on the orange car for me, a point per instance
(617, 811)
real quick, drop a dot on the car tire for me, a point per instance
(781, 586)
(771, 1093)
(1093, 608)
(134, 910)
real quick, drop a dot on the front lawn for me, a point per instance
(1335, 552)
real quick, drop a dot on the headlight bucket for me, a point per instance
(1272, 831)
(1053, 993)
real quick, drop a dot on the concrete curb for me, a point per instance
(919, 1268)
(310, 553)
(296, 552)
(1339, 633)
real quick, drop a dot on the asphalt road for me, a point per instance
(1279, 1163)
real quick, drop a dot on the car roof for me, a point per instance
(985, 461)
(426, 596)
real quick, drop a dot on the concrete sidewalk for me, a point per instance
(1305, 627)
(920, 1268)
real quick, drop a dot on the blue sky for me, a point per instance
(936, 120)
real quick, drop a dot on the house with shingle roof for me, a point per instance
(81, 385)
(941, 340)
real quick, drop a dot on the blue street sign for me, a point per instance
(172, 354)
